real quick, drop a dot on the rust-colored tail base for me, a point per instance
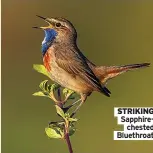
(108, 72)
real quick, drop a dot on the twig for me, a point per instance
(66, 127)
(59, 94)
(67, 138)
(60, 104)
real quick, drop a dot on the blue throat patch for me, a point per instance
(50, 35)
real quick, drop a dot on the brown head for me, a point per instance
(64, 28)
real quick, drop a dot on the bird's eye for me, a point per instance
(58, 25)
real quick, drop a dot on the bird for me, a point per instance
(69, 67)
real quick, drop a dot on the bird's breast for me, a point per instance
(47, 61)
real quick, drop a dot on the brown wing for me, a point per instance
(73, 63)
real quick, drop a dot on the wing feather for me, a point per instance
(73, 63)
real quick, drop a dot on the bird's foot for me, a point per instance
(65, 109)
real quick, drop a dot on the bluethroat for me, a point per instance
(68, 66)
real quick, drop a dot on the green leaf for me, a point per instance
(67, 115)
(72, 130)
(53, 133)
(43, 85)
(60, 112)
(54, 87)
(39, 93)
(65, 91)
(41, 69)
(73, 119)
(73, 96)
(70, 94)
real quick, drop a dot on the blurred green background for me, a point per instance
(109, 33)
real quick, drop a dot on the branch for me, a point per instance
(66, 126)
(60, 129)
(66, 136)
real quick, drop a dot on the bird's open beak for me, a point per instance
(46, 20)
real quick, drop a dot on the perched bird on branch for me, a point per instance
(67, 65)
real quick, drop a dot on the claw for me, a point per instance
(65, 109)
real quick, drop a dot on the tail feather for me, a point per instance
(133, 66)
(105, 73)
